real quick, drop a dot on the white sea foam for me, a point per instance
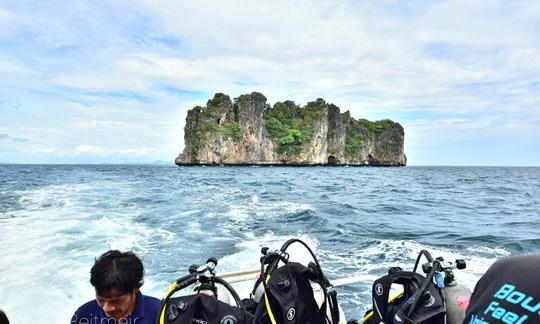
(241, 206)
(189, 212)
(250, 252)
(49, 246)
(372, 261)
(238, 213)
(380, 255)
(257, 209)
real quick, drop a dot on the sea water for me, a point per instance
(56, 219)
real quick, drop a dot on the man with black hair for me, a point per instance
(3, 318)
(117, 278)
(509, 292)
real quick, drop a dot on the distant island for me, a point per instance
(248, 131)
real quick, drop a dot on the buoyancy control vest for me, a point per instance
(423, 300)
(420, 302)
(288, 295)
(202, 308)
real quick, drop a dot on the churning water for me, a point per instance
(54, 220)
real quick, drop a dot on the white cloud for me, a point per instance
(140, 152)
(88, 149)
(451, 60)
(94, 150)
(13, 66)
(6, 17)
(43, 151)
(11, 138)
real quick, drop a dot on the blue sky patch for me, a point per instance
(192, 94)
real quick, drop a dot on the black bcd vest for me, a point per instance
(203, 309)
(427, 305)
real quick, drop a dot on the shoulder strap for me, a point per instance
(330, 292)
(181, 310)
(381, 290)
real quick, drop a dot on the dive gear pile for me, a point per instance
(423, 299)
(284, 293)
(286, 297)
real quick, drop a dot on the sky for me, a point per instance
(111, 81)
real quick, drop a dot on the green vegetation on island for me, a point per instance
(250, 131)
(292, 126)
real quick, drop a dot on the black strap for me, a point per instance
(422, 253)
(381, 291)
(329, 292)
(416, 296)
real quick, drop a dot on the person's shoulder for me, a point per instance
(516, 262)
(152, 306)
(517, 270)
(89, 308)
(151, 301)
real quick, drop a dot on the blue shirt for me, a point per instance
(145, 312)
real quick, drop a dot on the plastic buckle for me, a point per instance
(331, 291)
(439, 279)
(283, 255)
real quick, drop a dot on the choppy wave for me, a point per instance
(55, 220)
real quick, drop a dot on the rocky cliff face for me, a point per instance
(249, 131)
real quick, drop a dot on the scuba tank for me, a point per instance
(457, 301)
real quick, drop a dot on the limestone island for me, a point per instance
(248, 131)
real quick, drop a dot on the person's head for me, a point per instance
(117, 278)
(3, 318)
